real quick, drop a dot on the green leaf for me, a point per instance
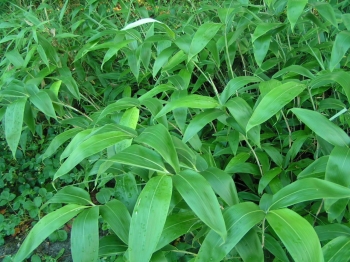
(261, 47)
(199, 121)
(126, 190)
(91, 146)
(199, 195)
(140, 156)
(13, 123)
(150, 20)
(331, 231)
(111, 246)
(249, 247)
(177, 225)
(202, 37)
(112, 51)
(59, 140)
(274, 247)
(323, 127)
(118, 218)
(70, 195)
(273, 101)
(307, 189)
(317, 169)
(340, 47)
(327, 12)
(84, 236)
(45, 227)
(160, 140)
(297, 235)
(337, 250)
(234, 85)
(121, 104)
(297, 69)
(338, 166)
(239, 220)
(191, 101)
(149, 217)
(268, 176)
(294, 10)
(223, 184)
(156, 90)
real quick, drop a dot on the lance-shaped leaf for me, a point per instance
(324, 128)
(223, 184)
(337, 249)
(239, 219)
(199, 195)
(316, 169)
(273, 101)
(177, 225)
(249, 247)
(45, 227)
(118, 218)
(202, 37)
(190, 101)
(331, 231)
(84, 236)
(307, 189)
(294, 9)
(149, 217)
(160, 140)
(93, 145)
(150, 20)
(13, 123)
(111, 246)
(199, 121)
(129, 119)
(140, 156)
(59, 140)
(297, 235)
(43, 102)
(340, 47)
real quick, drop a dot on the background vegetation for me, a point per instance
(181, 130)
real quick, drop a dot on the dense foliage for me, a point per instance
(187, 130)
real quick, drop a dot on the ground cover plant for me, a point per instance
(186, 131)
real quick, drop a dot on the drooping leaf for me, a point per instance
(307, 189)
(43, 102)
(84, 236)
(249, 247)
(160, 140)
(239, 219)
(294, 10)
(316, 169)
(190, 101)
(223, 185)
(273, 101)
(323, 127)
(45, 227)
(149, 217)
(150, 20)
(91, 146)
(275, 248)
(140, 156)
(199, 195)
(297, 235)
(70, 195)
(261, 47)
(202, 37)
(177, 225)
(340, 47)
(267, 177)
(111, 246)
(13, 123)
(326, 11)
(118, 218)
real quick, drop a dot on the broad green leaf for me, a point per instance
(239, 220)
(297, 235)
(162, 59)
(294, 10)
(307, 189)
(223, 184)
(261, 47)
(323, 127)
(150, 20)
(140, 156)
(126, 190)
(177, 225)
(156, 90)
(112, 51)
(267, 177)
(59, 140)
(338, 166)
(13, 123)
(340, 47)
(264, 29)
(110, 246)
(274, 101)
(317, 169)
(331, 231)
(249, 247)
(84, 236)
(242, 112)
(273, 153)
(337, 249)
(118, 218)
(185, 154)
(70, 195)
(200, 197)
(235, 84)
(199, 121)
(45, 227)
(297, 69)
(274, 247)
(202, 37)
(121, 104)
(160, 140)
(327, 12)
(190, 101)
(149, 217)
(93, 145)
